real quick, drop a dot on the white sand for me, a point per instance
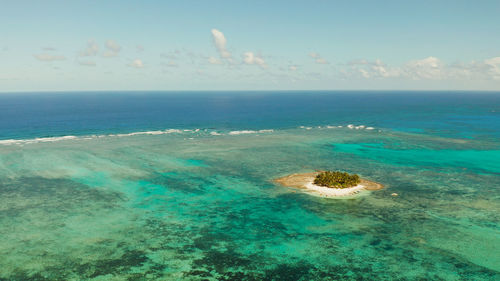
(334, 192)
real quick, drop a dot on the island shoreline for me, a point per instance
(305, 182)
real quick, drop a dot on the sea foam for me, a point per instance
(36, 140)
(163, 132)
(169, 131)
(249, 132)
(85, 137)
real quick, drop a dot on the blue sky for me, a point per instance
(249, 45)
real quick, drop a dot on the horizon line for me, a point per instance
(241, 91)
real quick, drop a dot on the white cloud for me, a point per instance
(371, 69)
(318, 59)
(364, 73)
(321, 61)
(250, 58)
(213, 60)
(476, 70)
(113, 49)
(49, 57)
(137, 63)
(91, 50)
(113, 46)
(380, 69)
(493, 66)
(220, 43)
(427, 68)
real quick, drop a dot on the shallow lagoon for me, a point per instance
(191, 205)
(195, 205)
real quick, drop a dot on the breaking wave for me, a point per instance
(157, 132)
(250, 132)
(198, 132)
(349, 126)
(87, 137)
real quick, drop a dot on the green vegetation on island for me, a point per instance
(336, 179)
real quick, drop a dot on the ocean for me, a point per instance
(179, 185)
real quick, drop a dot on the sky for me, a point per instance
(249, 45)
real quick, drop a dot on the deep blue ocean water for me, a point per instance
(179, 186)
(29, 115)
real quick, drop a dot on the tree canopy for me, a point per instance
(336, 179)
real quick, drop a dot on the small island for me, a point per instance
(329, 183)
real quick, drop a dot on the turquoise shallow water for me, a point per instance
(196, 205)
